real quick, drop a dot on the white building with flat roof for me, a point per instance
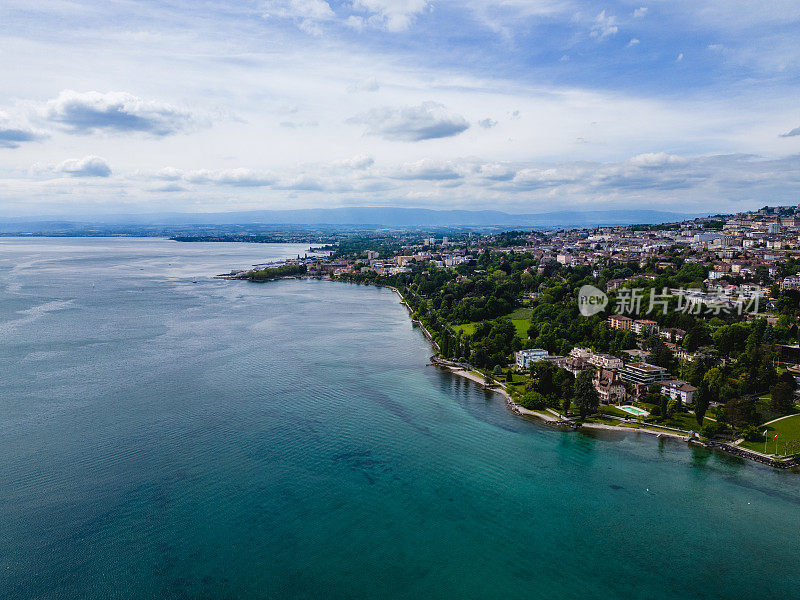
(605, 361)
(643, 373)
(525, 358)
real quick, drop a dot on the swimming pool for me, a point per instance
(635, 411)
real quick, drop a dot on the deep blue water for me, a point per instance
(167, 439)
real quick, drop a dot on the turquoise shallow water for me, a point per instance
(165, 439)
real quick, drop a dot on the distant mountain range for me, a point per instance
(362, 216)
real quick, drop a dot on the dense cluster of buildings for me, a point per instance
(615, 380)
(745, 246)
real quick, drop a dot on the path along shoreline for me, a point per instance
(551, 418)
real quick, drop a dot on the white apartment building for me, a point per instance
(525, 358)
(605, 361)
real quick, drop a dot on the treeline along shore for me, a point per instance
(695, 337)
(489, 383)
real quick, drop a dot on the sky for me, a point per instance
(525, 106)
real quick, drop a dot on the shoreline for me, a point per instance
(550, 418)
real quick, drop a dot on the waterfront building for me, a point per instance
(678, 390)
(525, 358)
(643, 373)
(608, 386)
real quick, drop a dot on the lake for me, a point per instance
(162, 438)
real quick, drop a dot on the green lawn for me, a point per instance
(523, 314)
(686, 422)
(466, 329)
(520, 318)
(613, 410)
(788, 430)
(683, 421)
(518, 384)
(762, 406)
(521, 326)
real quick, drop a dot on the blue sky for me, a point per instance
(519, 105)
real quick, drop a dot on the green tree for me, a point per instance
(444, 344)
(714, 381)
(663, 405)
(782, 398)
(586, 396)
(741, 412)
(544, 371)
(710, 430)
(701, 402)
(751, 433)
(533, 400)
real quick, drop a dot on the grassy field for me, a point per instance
(466, 329)
(523, 314)
(613, 410)
(520, 318)
(788, 430)
(762, 406)
(686, 422)
(683, 421)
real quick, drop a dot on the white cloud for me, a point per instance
(365, 85)
(308, 14)
(427, 170)
(169, 174)
(536, 177)
(669, 181)
(487, 123)
(358, 163)
(239, 177)
(88, 166)
(391, 15)
(604, 26)
(640, 12)
(354, 22)
(633, 42)
(11, 136)
(496, 171)
(429, 120)
(13, 133)
(657, 159)
(87, 112)
(194, 57)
